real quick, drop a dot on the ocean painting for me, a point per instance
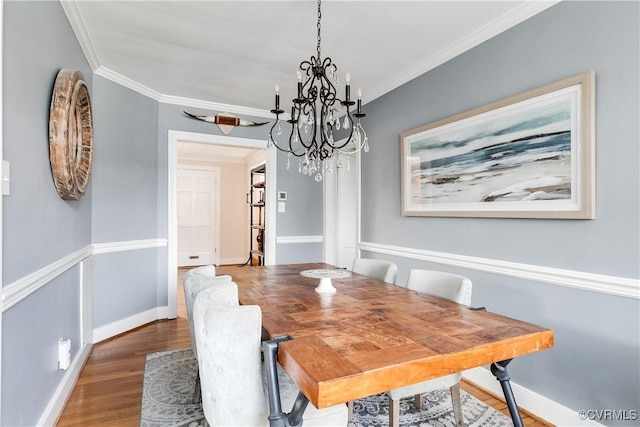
(520, 157)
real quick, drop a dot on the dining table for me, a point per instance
(361, 336)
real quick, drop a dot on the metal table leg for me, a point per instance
(499, 370)
(277, 418)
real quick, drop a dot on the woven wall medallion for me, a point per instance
(70, 134)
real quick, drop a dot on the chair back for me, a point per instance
(441, 284)
(194, 284)
(228, 336)
(205, 270)
(376, 268)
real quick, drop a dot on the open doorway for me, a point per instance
(234, 157)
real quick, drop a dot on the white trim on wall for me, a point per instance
(80, 30)
(130, 245)
(215, 106)
(299, 239)
(230, 261)
(16, 291)
(118, 327)
(497, 26)
(1, 197)
(20, 289)
(620, 286)
(492, 29)
(59, 399)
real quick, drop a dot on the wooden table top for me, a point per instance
(370, 337)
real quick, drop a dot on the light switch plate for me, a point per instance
(6, 183)
(280, 207)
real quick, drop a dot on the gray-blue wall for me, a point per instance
(125, 193)
(304, 211)
(126, 202)
(595, 361)
(594, 364)
(39, 227)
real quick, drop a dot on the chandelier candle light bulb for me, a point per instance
(316, 114)
(347, 90)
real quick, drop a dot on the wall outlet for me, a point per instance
(64, 354)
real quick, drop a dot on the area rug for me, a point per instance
(169, 380)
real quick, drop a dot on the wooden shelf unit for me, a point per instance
(256, 201)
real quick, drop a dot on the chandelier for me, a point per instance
(323, 126)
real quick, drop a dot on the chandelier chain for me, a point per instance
(316, 118)
(319, 17)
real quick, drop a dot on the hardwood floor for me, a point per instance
(109, 390)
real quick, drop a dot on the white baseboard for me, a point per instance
(56, 404)
(121, 326)
(528, 400)
(231, 261)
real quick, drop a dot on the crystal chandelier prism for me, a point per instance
(317, 117)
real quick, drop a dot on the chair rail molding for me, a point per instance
(20, 289)
(620, 286)
(299, 239)
(16, 291)
(130, 245)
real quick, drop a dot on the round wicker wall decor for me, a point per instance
(70, 134)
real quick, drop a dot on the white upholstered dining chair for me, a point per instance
(448, 286)
(228, 336)
(205, 270)
(194, 282)
(377, 268)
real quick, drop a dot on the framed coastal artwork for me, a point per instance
(528, 156)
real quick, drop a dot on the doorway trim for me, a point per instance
(173, 138)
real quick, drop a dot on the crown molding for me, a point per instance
(127, 82)
(215, 106)
(74, 17)
(492, 29)
(176, 100)
(495, 27)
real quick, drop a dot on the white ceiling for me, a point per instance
(228, 55)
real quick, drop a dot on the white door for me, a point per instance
(198, 215)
